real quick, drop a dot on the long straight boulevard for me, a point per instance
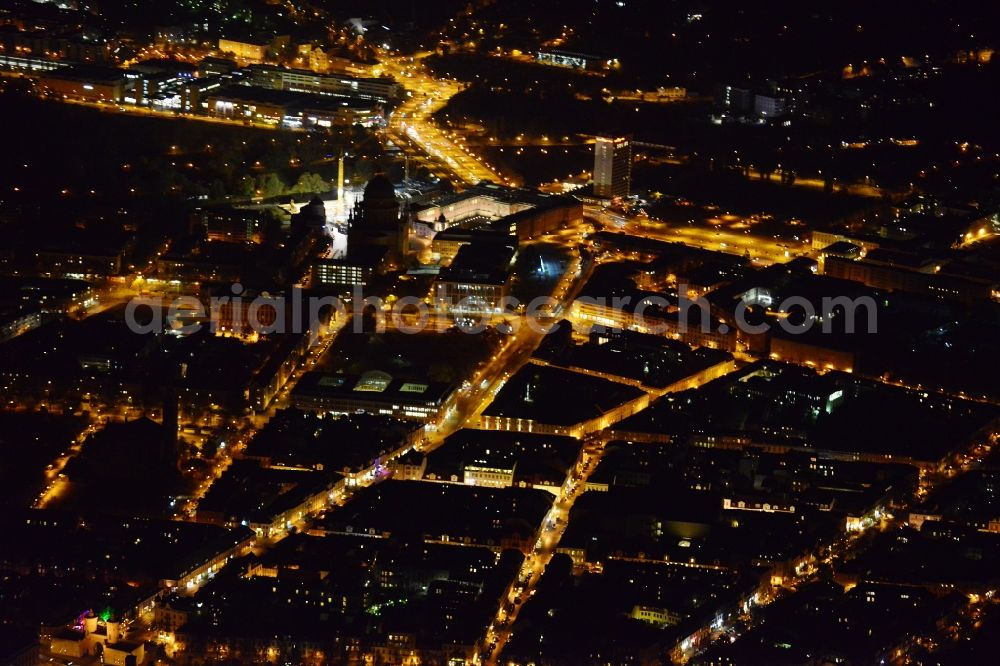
(412, 125)
(549, 534)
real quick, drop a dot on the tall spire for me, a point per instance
(340, 178)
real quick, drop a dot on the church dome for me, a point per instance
(315, 207)
(380, 189)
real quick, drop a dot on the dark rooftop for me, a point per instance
(558, 397)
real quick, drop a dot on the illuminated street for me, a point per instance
(499, 334)
(411, 124)
(548, 536)
(763, 251)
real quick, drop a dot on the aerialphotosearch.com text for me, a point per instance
(298, 313)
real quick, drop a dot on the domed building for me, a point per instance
(380, 197)
(315, 208)
(375, 220)
(310, 217)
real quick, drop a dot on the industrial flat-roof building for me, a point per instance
(371, 393)
(302, 80)
(286, 108)
(87, 83)
(477, 279)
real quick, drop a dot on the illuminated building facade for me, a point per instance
(286, 108)
(660, 617)
(569, 59)
(231, 225)
(255, 50)
(887, 275)
(305, 81)
(515, 211)
(80, 264)
(336, 272)
(371, 393)
(90, 84)
(477, 279)
(612, 167)
(489, 473)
